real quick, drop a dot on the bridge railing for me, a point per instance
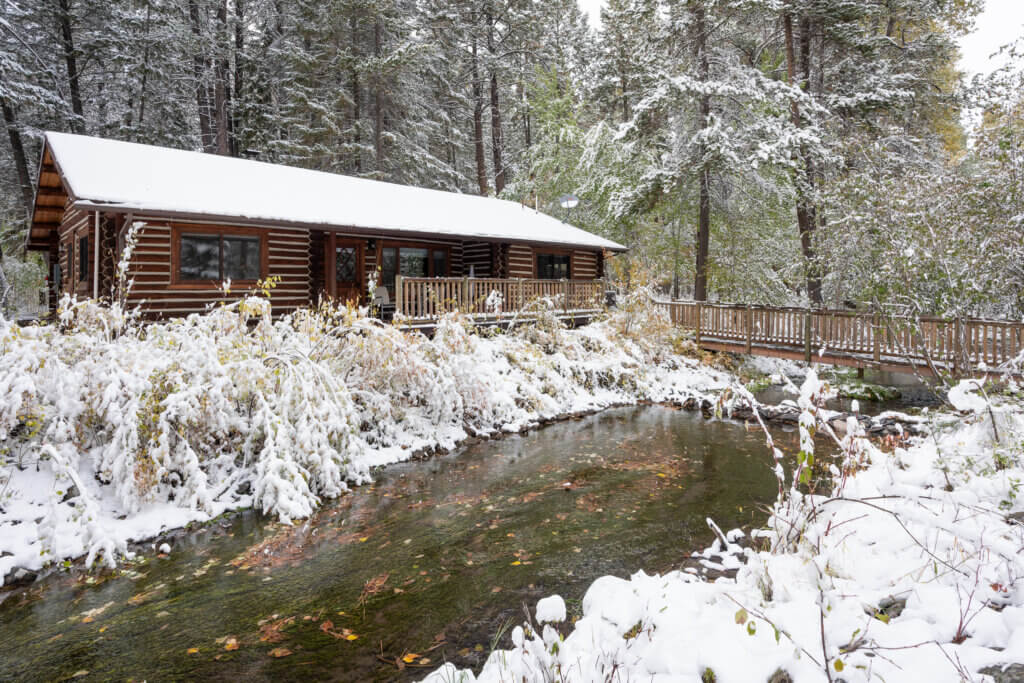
(966, 342)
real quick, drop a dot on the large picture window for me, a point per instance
(553, 266)
(219, 256)
(411, 261)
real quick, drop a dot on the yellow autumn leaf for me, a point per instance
(516, 563)
(231, 643)
(351, 636)
(192, 650)
(410, 658)
(280, 652)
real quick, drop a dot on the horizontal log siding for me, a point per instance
(317, 283)
(477, 255)
(288, 256)
(74, 223)
(520, 261)
(584, 265)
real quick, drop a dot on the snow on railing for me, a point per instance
(426, 298)
(956, 344)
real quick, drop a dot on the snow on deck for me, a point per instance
(124, 175)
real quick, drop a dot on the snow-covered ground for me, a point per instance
(112, 432)
(909, 569)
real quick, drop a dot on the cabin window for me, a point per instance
(411, 261)
(83, 259)
(219, 257)
(553, 266)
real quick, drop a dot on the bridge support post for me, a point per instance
(750, 329)
(807, 337)
(697, 327)
(876, 337)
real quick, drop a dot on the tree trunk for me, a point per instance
(71, 62)
(805, 210)
(497, 145)
(18, 152)
(236, 112)
(700, 283)
(199, 74)
(357, 103)
(221, 86)
(145, 69)
(496, 138)
(378, 98)
(478, 121)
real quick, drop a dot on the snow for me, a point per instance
(112, 432)
(964, 396)
(109, 174)
(925, 527)
(551, 608)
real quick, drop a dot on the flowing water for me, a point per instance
(432, 559)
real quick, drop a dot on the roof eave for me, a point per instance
(185, 216)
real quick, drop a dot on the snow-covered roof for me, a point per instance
(111, 174)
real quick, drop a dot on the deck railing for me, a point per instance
(952, 344)
(427, 298)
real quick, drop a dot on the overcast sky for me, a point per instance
(1002, 22)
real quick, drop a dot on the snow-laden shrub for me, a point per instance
(233, 408)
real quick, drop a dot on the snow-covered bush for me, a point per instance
(103, 417)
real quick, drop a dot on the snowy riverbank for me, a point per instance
(909, 569)
(112, 432)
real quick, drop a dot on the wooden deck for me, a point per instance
(861, 340)
(422, 300)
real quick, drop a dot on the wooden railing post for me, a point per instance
(876, 339)
(807, 336)
(958, 346)
(522, 300)
(399, 294)
(464, 295)
(565, 295)
(697, 326)
(750, 329)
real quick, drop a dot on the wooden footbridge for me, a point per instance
(861, 340)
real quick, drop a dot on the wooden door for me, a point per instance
(344, 261)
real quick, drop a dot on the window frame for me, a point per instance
(537, 253)
(431, 247)
(82, 253)
(180, 230)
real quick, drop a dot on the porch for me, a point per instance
(422, 300)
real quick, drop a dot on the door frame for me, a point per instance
(331, 244)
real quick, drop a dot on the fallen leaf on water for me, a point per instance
(231, 643)
(280, 652)
(410, 658)
(364, 539)
(425, 660)
(496, 589)
(516, 563)
(79, 674)
(327, 626)
(192, 650)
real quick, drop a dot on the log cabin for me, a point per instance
(201, 219)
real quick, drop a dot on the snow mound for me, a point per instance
(551, 608)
